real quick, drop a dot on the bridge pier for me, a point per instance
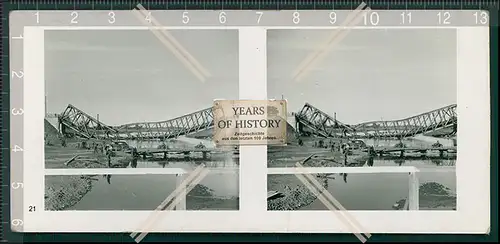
(441, 153)
(144, 156)
(402, 154)
(165, 155)
(205, 155)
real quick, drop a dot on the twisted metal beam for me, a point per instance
(74, 120)
(322, 124)
(186, 124)
(430, 121)
(84, 125)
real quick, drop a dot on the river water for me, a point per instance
(146, 192)
(219, 191)
(381, 191)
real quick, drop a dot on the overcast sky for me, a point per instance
(129, 76)
(370, 75)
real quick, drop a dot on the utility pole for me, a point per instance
(46, 95)
(46, 111)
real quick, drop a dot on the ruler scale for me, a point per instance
(284, 19)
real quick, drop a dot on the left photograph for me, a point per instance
(135, 99)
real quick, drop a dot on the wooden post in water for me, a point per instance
(413, 195)
(182, 204)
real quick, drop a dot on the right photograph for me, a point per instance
(371, 116)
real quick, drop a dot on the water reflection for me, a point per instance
(108, 178)
(441, 162)
(380, 191)
(399, 162)
(372, 161)
(133, 164)
(146, 192)
(233, 163)
(369, 162)
(331, 176)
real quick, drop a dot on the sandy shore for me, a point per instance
(295, 194)
(62, 192)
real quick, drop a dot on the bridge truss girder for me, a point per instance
(320, 123)
(83, 124)
(422, 123)
(324, 125)
(88, 127)
(186, 124)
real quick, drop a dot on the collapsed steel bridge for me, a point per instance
(310, 120)
(75, 121)
(320, 123)
(314, 121)
(84, 125)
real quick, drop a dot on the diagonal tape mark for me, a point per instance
(352, 228)
(321, 52)
(171, 47)
(171, 206)
(148, 227)
(174, 41)
(166, 43)
(323, 195)
(331, 38)
(166, 202)
(194, 175)
(324, 52)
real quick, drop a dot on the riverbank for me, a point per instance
(432, 196)
(196, 203)
(64, 191)
(295, 194)
(323, 157)
(203, 198)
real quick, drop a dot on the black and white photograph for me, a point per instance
(379, 98)
(130, 99)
